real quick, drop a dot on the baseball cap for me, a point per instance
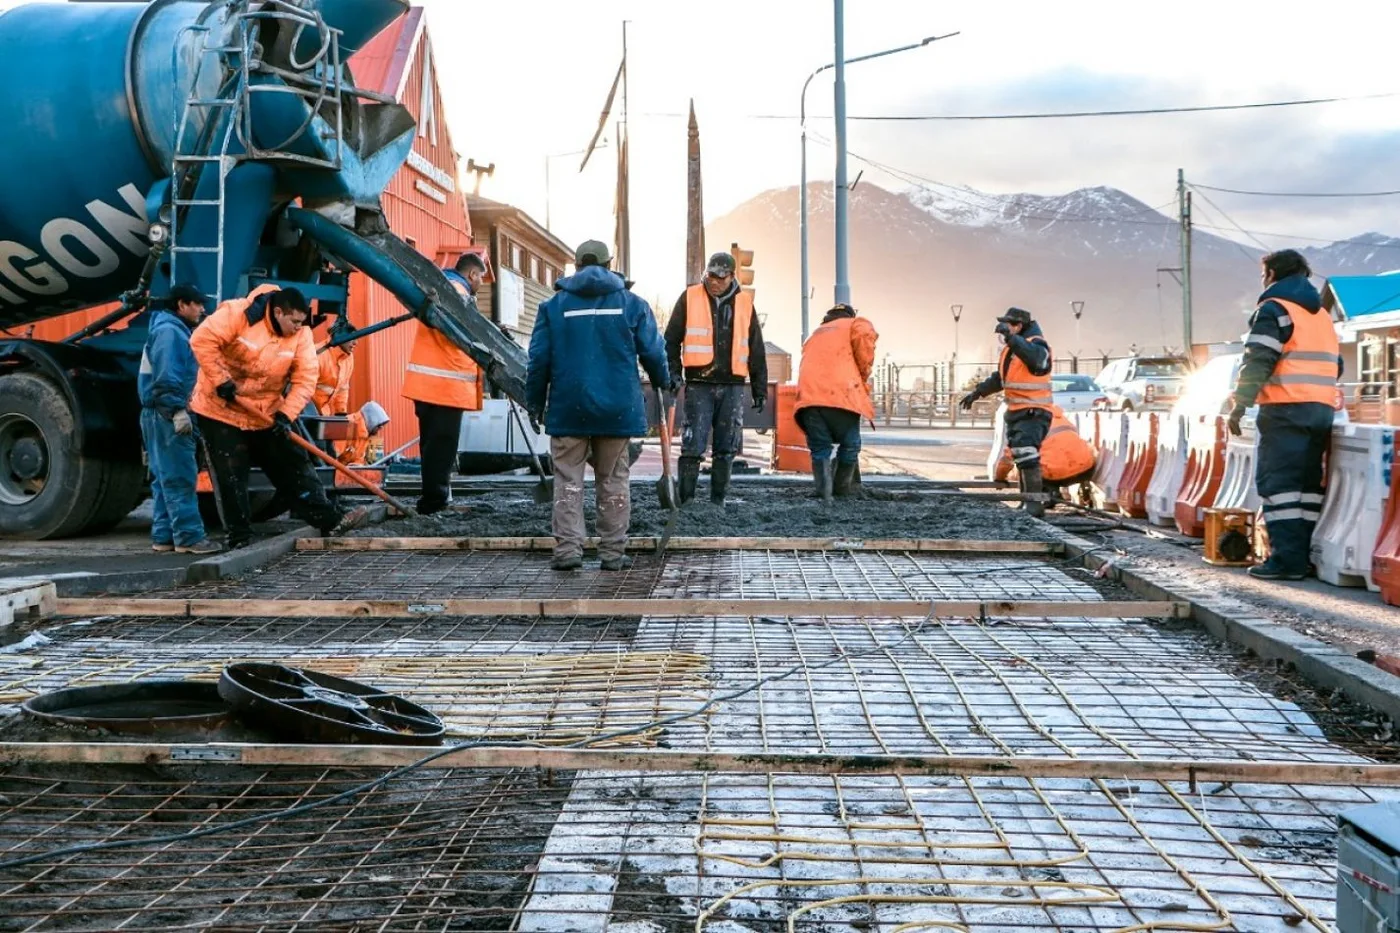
(592, 253)
(720, 264)
(1015, 316)
(187, 293)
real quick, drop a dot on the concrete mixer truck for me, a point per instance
(222, 144)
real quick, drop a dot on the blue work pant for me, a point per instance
(713, 407)
(1293, 439)
(175, 515)
(831, 427)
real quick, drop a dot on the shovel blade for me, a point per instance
(666, 493)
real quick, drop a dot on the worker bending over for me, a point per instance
(443, 381)
(1291, 368)
(715, 337)
(833, 394)
(582, 383)
(257, 371)
(359, 448)
(165, 381)
(1023, 377)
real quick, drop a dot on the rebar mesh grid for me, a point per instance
(623, 853)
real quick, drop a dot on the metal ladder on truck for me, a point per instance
(221, 120)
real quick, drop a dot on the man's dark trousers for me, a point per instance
(439, 430)
(1293, 440)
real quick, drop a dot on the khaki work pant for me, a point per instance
(608, 457)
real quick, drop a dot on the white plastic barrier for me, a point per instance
(1237, 486)
(998, 441)
(1358, 484)
(1172, 452)
(1113, 448)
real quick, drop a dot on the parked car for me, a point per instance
(1144, 383)
(1077, 392)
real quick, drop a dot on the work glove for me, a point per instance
(227, 391)
(281, 425)
(181, 421)
(1234, 422)
(674, 386)
(1003, 328)
(759, 403)
(968, 401)
(535, 418)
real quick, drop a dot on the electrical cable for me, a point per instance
(1300, 194)
(1230, 220)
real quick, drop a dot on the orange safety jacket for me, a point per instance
(1063, 456)
(698, 347)
(272, 373)
(1307, 370)
(333, 381)
(355, 449)
(440, 372)
(1024, 389)
(836, 364)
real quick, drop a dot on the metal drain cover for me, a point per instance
(312, 707)
(143, 706)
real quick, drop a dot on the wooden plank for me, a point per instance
(26, 599)
(929, 545)
(568, 608)
(669, 760)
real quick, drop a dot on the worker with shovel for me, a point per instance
(257, 371)
(582, 383)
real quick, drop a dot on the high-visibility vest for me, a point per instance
(440, 372)
(698, 347)
(1023, 388)
(1307, 370)
(830, 375)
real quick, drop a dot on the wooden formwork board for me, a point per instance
(927, 545)
(24, 599)
(567, 608)
(1358, 774)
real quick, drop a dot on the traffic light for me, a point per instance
(743, 265)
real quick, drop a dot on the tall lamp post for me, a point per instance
(1078, 308)
(602, 144)
(806, 279)
(957, 316)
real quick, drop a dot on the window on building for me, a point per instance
(516, 258)
(536, 272)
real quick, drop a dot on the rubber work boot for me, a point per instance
(719, 480)
(1032, 484)
(822, 479)
(689, 476)
(846, 483)
(615, 563)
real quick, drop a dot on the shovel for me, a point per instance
(666, 485)
(544, 491)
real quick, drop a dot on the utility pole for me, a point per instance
(695, 213)
(843, 271)
(1183, 201)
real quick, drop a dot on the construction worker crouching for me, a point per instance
(1292, 363)
(715, 338)
(165, 383)
(1023, 377)
(833, 394)
(257, 372)
(443, 382)
(365, 426)
(582, 383)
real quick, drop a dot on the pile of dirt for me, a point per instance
(751, 511)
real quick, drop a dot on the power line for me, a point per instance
(1301, 194)
(1230, 220)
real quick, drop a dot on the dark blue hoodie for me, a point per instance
(1269, 329)
(168, 368)
(584, 351)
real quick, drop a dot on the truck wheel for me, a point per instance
(48, 489)
(125, 490)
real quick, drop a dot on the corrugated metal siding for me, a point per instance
(535, 295)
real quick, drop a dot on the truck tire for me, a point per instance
(48, 489)
(125, 490)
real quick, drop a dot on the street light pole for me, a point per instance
(802, 194)
(1078, 308)
(843, 257)
(957, 316)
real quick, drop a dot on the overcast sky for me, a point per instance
(528, 78)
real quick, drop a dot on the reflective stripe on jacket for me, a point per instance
(264, 366)
(335, 367)
(836, 364)
(698, 348)
(1307, 369)
(1023, 388)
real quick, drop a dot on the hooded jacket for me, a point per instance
(836, 364)
(168, 368)
(1269, 330)
(584, 351)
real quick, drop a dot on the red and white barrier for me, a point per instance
(994, 456)
(1237, 486)
(1112, 450)
(1140, 461)
(1358, 485)
(1205, 470)
(1167, 478)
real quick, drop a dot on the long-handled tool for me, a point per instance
(544, 490)
(666, 486)
(335, 464)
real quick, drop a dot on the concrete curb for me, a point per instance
(117, 584)
(1238, 623)
(232, 563)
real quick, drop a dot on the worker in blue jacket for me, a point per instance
(582, 383)
(164, 382)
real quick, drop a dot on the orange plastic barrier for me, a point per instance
(1205, 468)
(1142, 460)
(792, 459)
(1385, 559)
(789, 433)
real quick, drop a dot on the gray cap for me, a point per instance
(720, 264)
(592, 253)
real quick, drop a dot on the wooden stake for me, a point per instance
(939, 545)
(667, 760)
(569, 608)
